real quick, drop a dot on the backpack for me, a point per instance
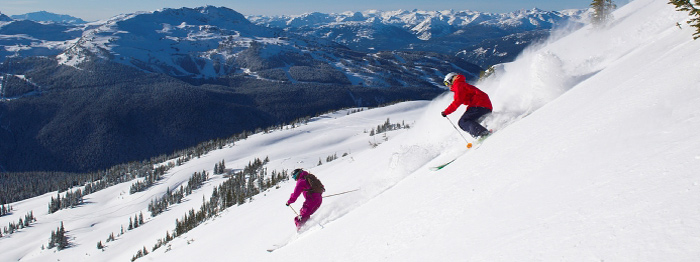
(316, 185)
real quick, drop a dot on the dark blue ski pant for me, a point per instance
(470, 120)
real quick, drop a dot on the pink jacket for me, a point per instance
(303, 187)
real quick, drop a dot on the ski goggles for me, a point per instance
(296, 173)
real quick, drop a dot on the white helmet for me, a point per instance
(448, 78)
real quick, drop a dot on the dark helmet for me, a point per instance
(296, 173)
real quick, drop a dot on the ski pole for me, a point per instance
(299, 216)
(341, 193)
(469, 145)
(295, 211)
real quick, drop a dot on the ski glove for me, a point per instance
(287, 204)
(443, 114)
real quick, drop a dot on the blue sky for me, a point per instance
(100, 9)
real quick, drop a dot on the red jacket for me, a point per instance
(466, 94)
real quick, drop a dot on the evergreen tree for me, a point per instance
(62, 240)
(58, 238)
(232, 191)
(602, 12)
(29, 218)
(110, 238)
(220, 168)
(52, 240)
(686, 5)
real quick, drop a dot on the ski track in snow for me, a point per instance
(594, 158)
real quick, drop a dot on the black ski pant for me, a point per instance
(470, 120)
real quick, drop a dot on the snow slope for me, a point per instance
(596, 158)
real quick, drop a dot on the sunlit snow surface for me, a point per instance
(596, 158)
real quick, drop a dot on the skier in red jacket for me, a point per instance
(477, 102)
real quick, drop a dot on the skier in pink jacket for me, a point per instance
(312, 194)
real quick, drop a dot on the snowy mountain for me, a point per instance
(214, 50)
(4, 18)
(180, 56)
(595, 158)
(168, 40)
(37, 34)
(211, 42)
(446, 31)
(25, 38)
(43, 16)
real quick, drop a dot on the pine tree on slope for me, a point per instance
(602, 12)
(693, 9)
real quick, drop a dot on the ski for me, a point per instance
(284, 243)
(305, 230)
(275, 247)
(470, 147)
(436, 168)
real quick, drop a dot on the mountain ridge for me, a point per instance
(424, 26)
(44, 16)
(208, 50)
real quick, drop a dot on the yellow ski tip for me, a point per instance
(469, 145)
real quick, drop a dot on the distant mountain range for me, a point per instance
(211, 42)
(84, 96)
(435, 31)
(481, 38)
(43, 16)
